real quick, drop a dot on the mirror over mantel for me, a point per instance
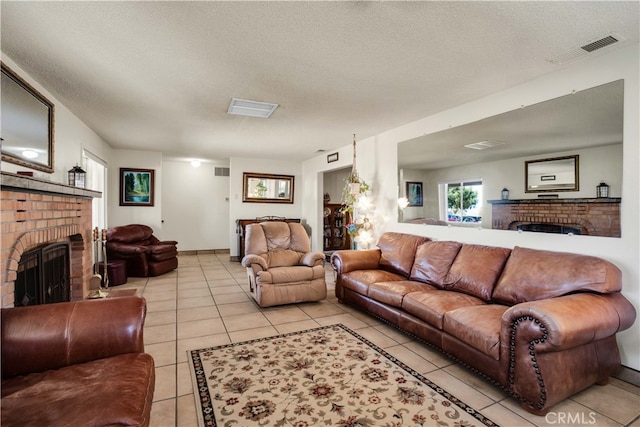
(27, 124)
(586, 124)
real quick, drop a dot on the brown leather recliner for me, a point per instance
(280, 265)
(78, 363)
(146, 256)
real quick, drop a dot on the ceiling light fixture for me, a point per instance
(482, 145)
(244, 107)
(195, 163)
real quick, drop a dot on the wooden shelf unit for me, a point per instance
(335, 231)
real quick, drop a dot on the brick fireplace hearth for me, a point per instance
(593, 217)
(36, 212)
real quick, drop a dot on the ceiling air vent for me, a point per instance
(218, 171)
(244, 107)
(482, 145)
(590, 46)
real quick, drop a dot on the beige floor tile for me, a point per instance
(193, 293)
(285, 315)
(232, 298)
(200, 328)
(504, 417)
(165, 383)
(611, 401)
(476, 381)
(186, 411)
(163, 353)
(393, 333)
(161, 305)
(195, 302)
(346, 319)
(253, 333)
(431, 354)
(411, 359)
(198, 313)
(163, 414)
(238, 308)
(160, 333)
(159, 296)
(195, 284)
(225, 290)
(243, 322)
(160, 318)
(303, 325)
(376, 337)
(200, 342)
(321, 309)
(185, 382)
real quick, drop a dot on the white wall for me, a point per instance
(379, 160)
(123, 215)
(195, 205)
(71, 136)
(241, 210)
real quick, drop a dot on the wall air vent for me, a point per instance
(244, 107)
(586, 48)
(483, 145)
(218, 171)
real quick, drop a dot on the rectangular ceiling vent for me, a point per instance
(483, 145)
(218, 171)
(244, 107)
(586, 48)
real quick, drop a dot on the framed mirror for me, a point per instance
(554, 174)
(27, 124)
(267, 188)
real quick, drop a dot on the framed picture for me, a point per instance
(333, 157)
(136, 187)
(414, 193)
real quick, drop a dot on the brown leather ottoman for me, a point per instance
(116, 271)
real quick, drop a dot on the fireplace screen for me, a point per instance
(43, 276)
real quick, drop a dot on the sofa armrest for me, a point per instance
(312, 258)
(51, 336)
(345, 261)
(568, 321)
(250, 259)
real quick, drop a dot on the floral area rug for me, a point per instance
(328, 376)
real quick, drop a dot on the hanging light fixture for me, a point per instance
(354, 179)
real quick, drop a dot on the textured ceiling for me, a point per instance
(160, 75)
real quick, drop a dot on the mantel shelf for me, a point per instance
(35, 185)
(556, 201)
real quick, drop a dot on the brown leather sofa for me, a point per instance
(76, 364)
(540, 324)
(280, 265)
(146, 256)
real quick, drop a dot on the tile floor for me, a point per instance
(205, 303)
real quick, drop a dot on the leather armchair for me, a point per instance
(76, 364)
(280, 265)
(146, 256)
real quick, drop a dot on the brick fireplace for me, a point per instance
(592, 216)
(37, 212)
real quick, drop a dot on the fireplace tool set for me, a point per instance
(100, 282)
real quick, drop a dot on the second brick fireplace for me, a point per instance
(593, 217)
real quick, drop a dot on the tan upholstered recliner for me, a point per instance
(280, 265)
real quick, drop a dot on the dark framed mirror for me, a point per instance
(267, 188)
(27, 128)
(554, 174)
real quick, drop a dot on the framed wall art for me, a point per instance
(414, 193)
(136, 187)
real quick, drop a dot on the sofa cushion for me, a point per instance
(289, 274)
(433, 261)
(532, 275)
(112, 391)
(477, 326)
(476, 270)
(132, 233)
(398, 251)
(392, 293)
(431, 306)
(360, 280)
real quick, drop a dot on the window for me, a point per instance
(461, 201)
(96, 180)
